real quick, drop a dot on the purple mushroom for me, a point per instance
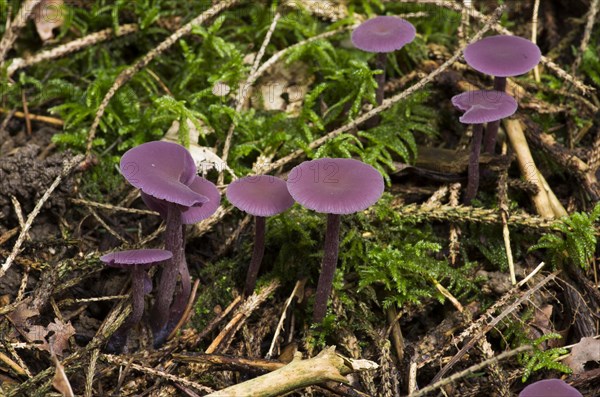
(550, 388)
(381, 35)
(481, 107)
(189, 216)
(502, 57)
(261, 196)
(137, 261)
(165, 171)
(333, 186)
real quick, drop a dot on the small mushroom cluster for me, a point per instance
(167, 178)
(500, 56)
(334, 186)
(166, 175)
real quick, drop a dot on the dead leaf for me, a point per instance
(60, 381)
(54, 338)
(588, 349)
(62, 332)
(48, 15)
(22, 313)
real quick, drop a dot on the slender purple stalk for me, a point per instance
(169, 273)
(183, 296)
(330, 257)
(380, 63)
(491, 130)
(119, 338)
(473, 181)
(257, 255)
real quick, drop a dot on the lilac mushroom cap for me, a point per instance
(335, 185)
(550, 388)
(484, 106)
(503, 55)
(190, 215)
(261, 195)
(383, 34)
(162, 170)
(143, 258)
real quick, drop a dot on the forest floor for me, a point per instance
(422, 302)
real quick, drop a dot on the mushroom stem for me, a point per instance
(491, 130)
(119, 338)
(380, 63)
(330, 257)
(473, 177)
(137, 295)
(168, 276)
(181, 299)
(257, 255)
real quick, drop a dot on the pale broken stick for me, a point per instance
(326, 366)
(546, 204)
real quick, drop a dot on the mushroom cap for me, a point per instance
(502, 55)
(190, 215)
(383, 34)
(335, 185)
(143, 257)
(483, 106)
(550, 388)
(260, 195)
(162, 170)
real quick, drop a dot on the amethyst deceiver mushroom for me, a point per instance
(137, 261)
(261, 196)
(381, 35)
(189, 216)
(550, 388)
(164, 171)
(481, 107)
(333, 186)
(501, 56)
